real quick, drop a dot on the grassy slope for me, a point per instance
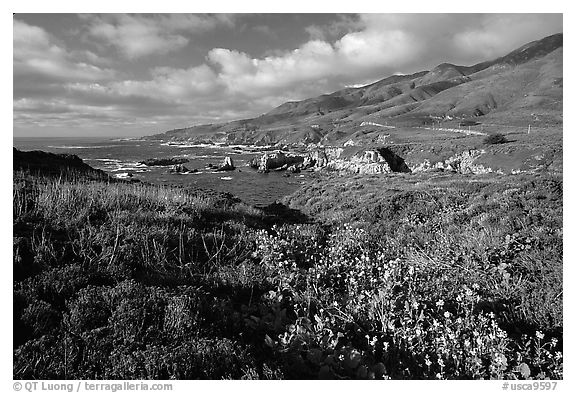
(480, 221)
(118, 280)
(396, 278)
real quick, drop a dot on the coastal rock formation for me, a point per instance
(462, 163)
(178, 168)
(368, 162)
(227, 165)
(317, 158)
(351, 159)
(164, 161)
(276, 160)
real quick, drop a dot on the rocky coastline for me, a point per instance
(392, 157)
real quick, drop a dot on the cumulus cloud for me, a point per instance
(381, 45)
(172, 83)
(55, 84)
(143, 35)
(37, 56)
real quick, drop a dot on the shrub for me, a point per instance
(495, 139)
(397, 278)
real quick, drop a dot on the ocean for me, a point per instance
(120, 157)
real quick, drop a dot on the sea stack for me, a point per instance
(227, 165)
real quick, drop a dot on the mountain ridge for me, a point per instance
(507, 89)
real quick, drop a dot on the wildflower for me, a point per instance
(427, 361)
(440, 303)
(539, 335)
(441, 363)
(447, 314)
(475, 286)
(554, 341)
(558, 355)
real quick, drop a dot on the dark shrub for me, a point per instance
(495, 139)
(41, 318)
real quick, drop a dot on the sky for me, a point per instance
(141, 74)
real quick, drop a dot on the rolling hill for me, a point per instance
(520, 88)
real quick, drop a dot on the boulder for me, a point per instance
(178, 168)
(227, 165)
(294, 169)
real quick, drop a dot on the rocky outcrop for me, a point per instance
(227, 165)
(164, 161)
(367, 162)
(276, 160)
(178, 168)
(461, 163)
(354, 160)
(316, 158)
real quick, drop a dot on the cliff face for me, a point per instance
(353, 160)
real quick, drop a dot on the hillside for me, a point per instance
(520, 88)
(50, 164)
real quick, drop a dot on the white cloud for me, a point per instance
(381, 45)
(37, 56)
(55, 84)
(254, 77)
(143, 35)
(171, 84)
